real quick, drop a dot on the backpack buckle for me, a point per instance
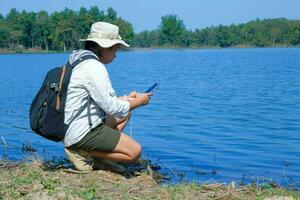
(54, 86)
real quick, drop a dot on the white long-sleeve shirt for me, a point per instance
(90, 79)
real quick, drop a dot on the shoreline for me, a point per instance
(36, 179)
(32, 51)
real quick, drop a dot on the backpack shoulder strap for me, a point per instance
(87, 104)
(83, 58)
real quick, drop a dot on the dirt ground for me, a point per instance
(38, 180)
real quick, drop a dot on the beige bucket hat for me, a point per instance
(105, 34)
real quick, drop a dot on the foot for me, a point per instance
(79, 159)
(104, 164)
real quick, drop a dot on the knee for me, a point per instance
(136, 152)
(126, 118)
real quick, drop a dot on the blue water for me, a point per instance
(219, 115)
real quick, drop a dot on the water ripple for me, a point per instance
(219, 115)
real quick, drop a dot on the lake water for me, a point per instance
(220, 115)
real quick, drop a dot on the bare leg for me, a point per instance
(127, 150)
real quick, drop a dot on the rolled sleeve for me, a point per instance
(126, 106)
(101, 91)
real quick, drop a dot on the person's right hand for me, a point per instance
(143, 98)
(138, 99)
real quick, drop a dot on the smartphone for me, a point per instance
(152, 88)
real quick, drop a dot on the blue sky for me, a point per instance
(146, 14)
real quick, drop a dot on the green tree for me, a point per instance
(141, 39)
(65, 35)
(199, 38)
(245, 31)
(111, 14)
(85, 20)
(4, 33)
(96, 14)
(295, 36)
(211, 36)
(225, 36)
(42, 30)
(14, 28)
(27, 23)
(171, 30)
(147, 39)
(186, 38)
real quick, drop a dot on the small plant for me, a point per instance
(28, 178)
(88, 194)
(50, 184)
(90, 191)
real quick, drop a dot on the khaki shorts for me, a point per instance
(102, 138)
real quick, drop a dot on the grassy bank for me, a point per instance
(37, 180)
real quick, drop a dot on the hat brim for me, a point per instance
(106, 43)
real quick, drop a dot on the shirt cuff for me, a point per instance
(126, 108)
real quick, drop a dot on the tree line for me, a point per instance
(256, 33)
(61, 31)
(58, 31)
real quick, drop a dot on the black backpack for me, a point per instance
(47, 110)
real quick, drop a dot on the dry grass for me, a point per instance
(35, 180)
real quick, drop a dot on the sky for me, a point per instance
(146, 14)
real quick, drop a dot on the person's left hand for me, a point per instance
(133, 94)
